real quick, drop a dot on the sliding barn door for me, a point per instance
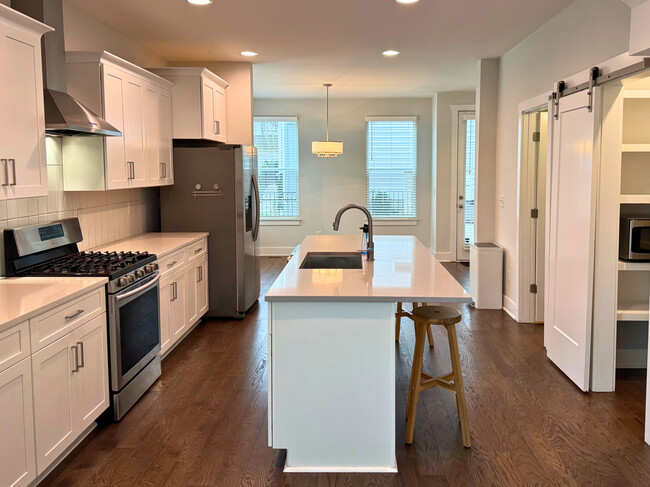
(569, 292)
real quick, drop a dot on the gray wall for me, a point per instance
(328, 184)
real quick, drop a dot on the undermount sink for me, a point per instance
(332, 260)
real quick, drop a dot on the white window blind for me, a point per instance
(391, 166)
(276, 139)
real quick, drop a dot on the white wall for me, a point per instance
(328, 184)
(441, 183)
(85, 33)
(585, 33)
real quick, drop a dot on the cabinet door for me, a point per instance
(220, 114)
(53, 411)
(208, 106)
(117, 172)
(192, 279)
(178, 316)
(90, 382)
(18, 464)
(165, 312)
(22, 120)
(152, 137)
(165, 136)
(202, 289)
(134, 131)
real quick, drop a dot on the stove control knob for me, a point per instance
(148, 269)
(121, 282)
(155, 266)
(139, 273)
(130, 278)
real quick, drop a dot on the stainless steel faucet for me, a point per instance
(371, 243)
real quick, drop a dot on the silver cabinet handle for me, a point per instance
(199, 275)
(171, 264)
(162, 170)
(131, 169)
(174, 291)
(6, 165)
(214, 129)
(13, 167)
(74, 315)
(75, 356)
(165, 168)
(82, 363)
(218, 127)
(200, 249)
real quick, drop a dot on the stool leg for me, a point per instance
(398, 320)
(430, 336)
(458, 383)
(416, 373)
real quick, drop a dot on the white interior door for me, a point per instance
(571, 232)
(466, 180)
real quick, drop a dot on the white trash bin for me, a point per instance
(486, 275)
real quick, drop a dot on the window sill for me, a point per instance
(395, 222)
(272, 222)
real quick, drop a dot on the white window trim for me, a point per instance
(282, 221)
(397, 221)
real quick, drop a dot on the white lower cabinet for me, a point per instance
(183, 292)
(17, 462)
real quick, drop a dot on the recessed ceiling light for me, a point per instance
(200, 2)
(406, 1)
(390, 52)
(248, 53)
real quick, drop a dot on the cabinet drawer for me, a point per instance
(172, 262)
(51, 326)
(14, 345)
(197, 249)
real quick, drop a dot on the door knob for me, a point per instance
(460, 197)
(460, 206)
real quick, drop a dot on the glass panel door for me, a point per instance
(466, 183)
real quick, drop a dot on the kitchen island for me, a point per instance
(332, 349)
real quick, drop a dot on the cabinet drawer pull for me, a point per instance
(200, 249)
(172, 264)
(199, 275)
(82, 363)
(74, 315)
(13, 168)
(6, 165)
(75, 358)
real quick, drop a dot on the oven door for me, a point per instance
(640, 239)
(134, 329)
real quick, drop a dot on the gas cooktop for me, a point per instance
(102, 264)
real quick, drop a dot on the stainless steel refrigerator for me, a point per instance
(215, 190)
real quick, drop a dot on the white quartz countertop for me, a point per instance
(22, 298)
(159, 243)
(403, 270)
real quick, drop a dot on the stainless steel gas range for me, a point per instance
(132, 294)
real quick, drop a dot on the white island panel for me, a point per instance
(333, 386)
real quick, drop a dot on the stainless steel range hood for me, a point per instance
(63, 114)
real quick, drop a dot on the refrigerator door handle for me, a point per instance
(256, 228)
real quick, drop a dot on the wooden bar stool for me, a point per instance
(424, 317)
(401, 313)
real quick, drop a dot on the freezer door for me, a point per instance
(252, 225)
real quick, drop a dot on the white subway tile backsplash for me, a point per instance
(3, 210)
(12, 209)
(23, 207)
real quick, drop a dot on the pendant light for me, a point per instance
(327, 148)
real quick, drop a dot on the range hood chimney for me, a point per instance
(63, 114)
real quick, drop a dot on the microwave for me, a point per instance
(634, 242)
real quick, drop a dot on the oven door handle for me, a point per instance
(140, 289)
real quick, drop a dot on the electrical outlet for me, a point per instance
(501, 203)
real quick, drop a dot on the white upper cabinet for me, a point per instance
(23, 169)
(136, 102)
(199, 103)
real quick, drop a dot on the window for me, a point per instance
(391, 166)
(470, 176)
(276, 139)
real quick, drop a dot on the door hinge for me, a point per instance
(534, 213)
(533, 288)
(536, 136)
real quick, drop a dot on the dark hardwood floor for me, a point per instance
(204, 422)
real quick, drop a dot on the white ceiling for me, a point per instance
(303, 43)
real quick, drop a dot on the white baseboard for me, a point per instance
(633, 358)
(510, 307)
(275, 251)
(444, 256)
